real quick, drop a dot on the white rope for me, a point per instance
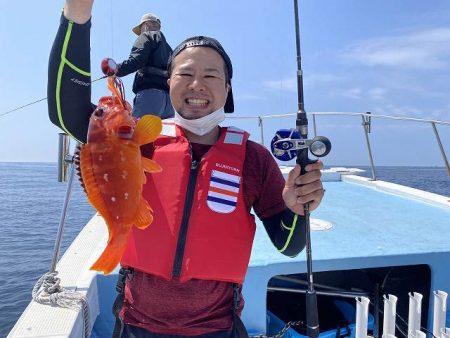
(48, 291)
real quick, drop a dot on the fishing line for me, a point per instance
(21, 107)
(37, 101)
(112, 27)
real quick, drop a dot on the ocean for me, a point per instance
(31, 201)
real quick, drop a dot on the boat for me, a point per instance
(371, 240)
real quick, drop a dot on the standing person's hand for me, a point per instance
(78, 11)
(300, 189)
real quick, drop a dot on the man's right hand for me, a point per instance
(78, 11)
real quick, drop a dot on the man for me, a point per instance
(186, 270)
(148, 58)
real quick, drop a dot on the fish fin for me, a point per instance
(113, 252)
(150, 165)
(147, 129)
(89, 184)
(144, 215)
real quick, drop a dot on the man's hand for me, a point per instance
(78, 11)
(299, 190)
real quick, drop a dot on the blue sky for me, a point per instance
(383, 56)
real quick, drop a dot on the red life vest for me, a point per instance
(210, 240)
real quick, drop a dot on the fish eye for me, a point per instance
(99, 111)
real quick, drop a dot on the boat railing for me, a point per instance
(366, 124)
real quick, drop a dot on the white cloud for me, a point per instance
(359, 93)
(250, 97)
(290, 83)
(411, 111)
(351, 93)
(377, 93)
(427, 49)
(403, 110)
(287, 84)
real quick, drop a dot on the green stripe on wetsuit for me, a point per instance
(63, 63)
(291, 231)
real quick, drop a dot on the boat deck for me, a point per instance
(373, 224)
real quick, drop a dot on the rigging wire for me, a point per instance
(37, 101)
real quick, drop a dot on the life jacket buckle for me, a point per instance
(123, 273)
(236, 296)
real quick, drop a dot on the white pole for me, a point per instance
(414, 315)
(390, 311)
(440, 309)
(362, 316)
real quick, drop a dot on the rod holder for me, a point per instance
(390, 311)
(64, 158)
(440, 311)
(414, 314)
(362, 316)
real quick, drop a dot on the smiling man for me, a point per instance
(184, 273)
(200, 84)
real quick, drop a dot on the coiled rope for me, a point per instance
(49, 291)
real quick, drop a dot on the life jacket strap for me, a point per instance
(117, 306)
(239, 330)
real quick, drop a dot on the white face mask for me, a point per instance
(203, 125)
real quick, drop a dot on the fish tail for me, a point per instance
(111, 256)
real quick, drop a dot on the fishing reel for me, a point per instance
(109, 67)
(288, 142)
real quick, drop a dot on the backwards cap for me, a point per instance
(204, 41)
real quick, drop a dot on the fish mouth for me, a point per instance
(125, 132)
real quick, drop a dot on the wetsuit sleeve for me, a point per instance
(69, 79)
(139, 55)
(264, 185)
(287, 232)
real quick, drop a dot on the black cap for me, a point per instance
(204, 41)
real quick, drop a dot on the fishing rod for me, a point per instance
(288, 144)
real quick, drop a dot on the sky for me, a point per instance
(385, 57)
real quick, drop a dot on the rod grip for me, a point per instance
(312, 317)
(303, 160)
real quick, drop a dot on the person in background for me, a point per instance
(148, 58)
(182, 276)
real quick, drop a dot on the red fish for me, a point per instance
(112, 168)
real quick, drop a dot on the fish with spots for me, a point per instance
(112, 170)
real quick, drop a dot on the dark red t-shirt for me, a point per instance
(201, 306)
